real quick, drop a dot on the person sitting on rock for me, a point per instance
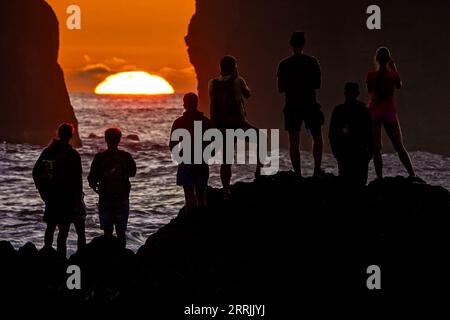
(193, 177)
(57, 175)
(351, 137)
(109, 176)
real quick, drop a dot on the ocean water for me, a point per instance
(155, 199)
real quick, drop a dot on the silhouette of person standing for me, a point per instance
(299, 77)
(57, 175)
(227, 94)
(351, 137)
(193, 177)
(381, 85)
(109, 176)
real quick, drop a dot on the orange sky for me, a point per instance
(126, 35)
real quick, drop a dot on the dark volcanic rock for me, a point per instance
(277, 241)
(257, 33)
(33, 94)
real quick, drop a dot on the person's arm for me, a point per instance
(93, 177)
(281, 80)
(333, 134)
(132, 166)
(399, 83)
(317, 75)
(246, 93)
(79, 176)
(398, 80)
(37, 171)
(173, 144)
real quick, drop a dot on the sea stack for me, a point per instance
(33, 96)
(257, 33)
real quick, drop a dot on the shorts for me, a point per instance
(114, 214)
(384, 117)
(294, 116)
(193, 175)
(233, 123)
(57, 213)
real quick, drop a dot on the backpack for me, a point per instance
(47, 172)
(45, 175)
(114, 173)
(224, 106)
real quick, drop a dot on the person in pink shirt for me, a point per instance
(382, 84)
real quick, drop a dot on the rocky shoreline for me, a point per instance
(293, 236)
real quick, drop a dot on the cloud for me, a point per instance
(177, 72)
(182, 80)
(129, 68)
(116, 61)
(97, 70)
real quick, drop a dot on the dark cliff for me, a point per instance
(257, 33)
(33, 94)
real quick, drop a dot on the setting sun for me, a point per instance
(137, 82)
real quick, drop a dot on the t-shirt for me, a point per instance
(385, 102)
(240, 86)
(187, 122)
(301, 76)
(98, 170)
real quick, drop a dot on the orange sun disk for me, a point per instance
(136, 82)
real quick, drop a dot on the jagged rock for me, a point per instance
(257, 33)
(33, 94)
(277, 238)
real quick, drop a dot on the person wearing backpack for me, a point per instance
(227, 94)
(351, 137)
(109, 176)
(57, 175)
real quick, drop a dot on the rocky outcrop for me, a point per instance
(280, 241)
(257, 33)
(33, 94)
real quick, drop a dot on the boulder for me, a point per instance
(277, 240)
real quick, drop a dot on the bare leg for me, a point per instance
(377, 157)
(225, 176)
(189, 195)
(63, 233)
(49, 234)
(81, 234)
(122, 237)
(108, 233)
(395, 134)
(200, 194)
(317, 148)
(259, 158)
(294, 149)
